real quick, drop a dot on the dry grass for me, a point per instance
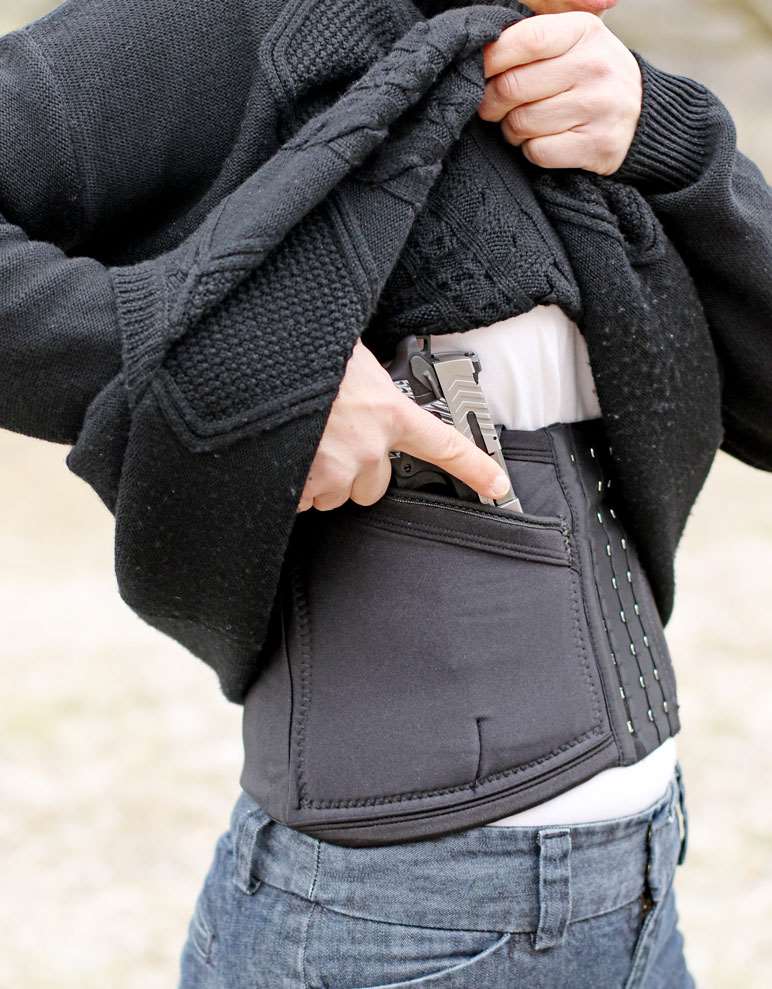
(121, 759)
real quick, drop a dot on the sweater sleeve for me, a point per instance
(59, 340)
(715, 206)
(114, 116)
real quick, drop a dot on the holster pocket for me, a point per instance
(437, 652)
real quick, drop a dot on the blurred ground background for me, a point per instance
(120, 758)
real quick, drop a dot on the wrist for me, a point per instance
(669, 144)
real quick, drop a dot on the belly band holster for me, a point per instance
(436, 664)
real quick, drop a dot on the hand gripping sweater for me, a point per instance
(201, 211)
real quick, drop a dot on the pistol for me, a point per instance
(447, 385)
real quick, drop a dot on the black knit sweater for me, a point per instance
(202, 208)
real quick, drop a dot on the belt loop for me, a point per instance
(244, 844)
(684, 814)
(554, 887)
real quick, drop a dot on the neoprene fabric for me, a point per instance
(201, 211)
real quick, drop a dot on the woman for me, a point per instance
(460, 767)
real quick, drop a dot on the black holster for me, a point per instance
(437, 664)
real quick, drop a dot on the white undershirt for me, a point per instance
(536, 372)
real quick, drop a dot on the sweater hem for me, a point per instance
(141, 308)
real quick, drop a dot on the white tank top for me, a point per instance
(535, 372)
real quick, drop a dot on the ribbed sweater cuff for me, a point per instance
(140, 298)
(670, 144)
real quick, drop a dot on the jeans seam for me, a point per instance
(422, 927)
(305, 945)
(317, 860)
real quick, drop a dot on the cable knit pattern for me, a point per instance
(468, 262)
(312, 61)
(287, 313)
(251, 322)
(290, 176)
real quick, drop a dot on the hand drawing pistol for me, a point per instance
(447, 385)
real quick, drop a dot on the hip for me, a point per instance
(616, 792)
(485, 907)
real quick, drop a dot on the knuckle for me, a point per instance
(590, 23)
(328, 502)
(371, 455)
(487, 109)
(517, 120)
(509, 135)
(401, 412)
(536, 153)
(587, 103)
(534, 40)
(508, 87)
(370, 498)
(336, 479)
(599, 66)
(449, 445)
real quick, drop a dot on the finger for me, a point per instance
(330, 470)
(371, 484)
(423, 435)
(597, 7)
(571, 149)
(545, 117)
(527, 84)
(534, 39)
(304, 504)
(331, 499)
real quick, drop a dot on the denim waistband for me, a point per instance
(516, 879)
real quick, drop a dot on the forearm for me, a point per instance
(59, 338)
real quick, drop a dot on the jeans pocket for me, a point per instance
(660, 925)
(201, 931)
(202, 939)
(347, 952)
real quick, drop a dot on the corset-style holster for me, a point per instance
(437, 664)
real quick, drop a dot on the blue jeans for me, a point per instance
(588, 905)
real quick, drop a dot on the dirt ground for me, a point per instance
(120, 758)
